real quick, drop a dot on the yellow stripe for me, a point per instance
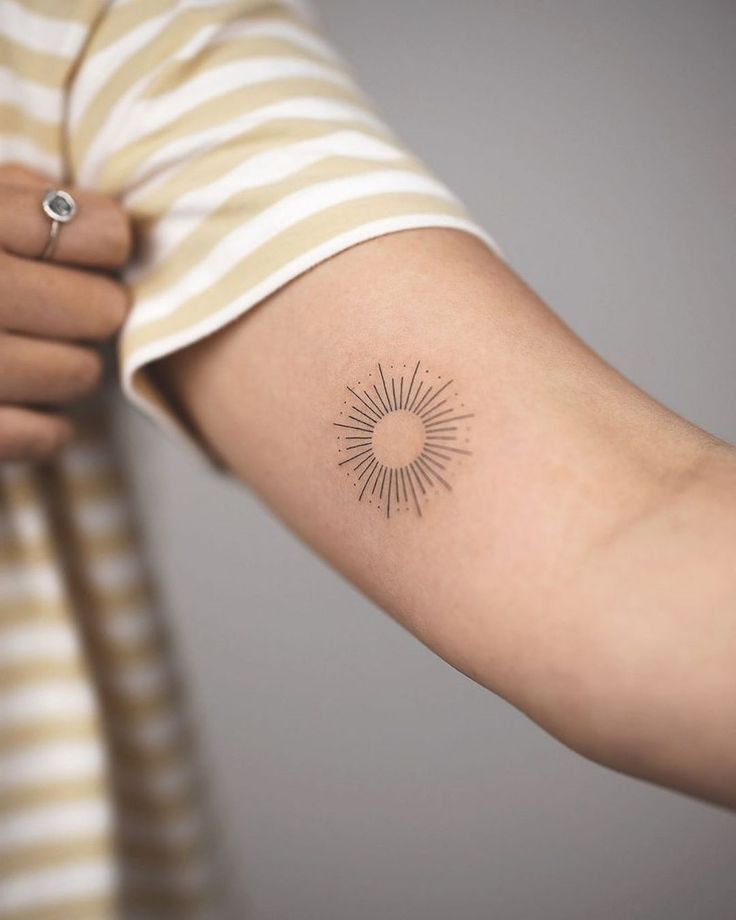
(56, 854)
(42, 67)
(44, 134)
(175, 35)
(249, 203)
(81, 11)
(32, 733)
(37, 552)
(237, 49)
(217, 110)
(200, 171)
(121, 18)
(52, 792)
(276, 253)
(38, 670)
(76, 909)
(35, 610)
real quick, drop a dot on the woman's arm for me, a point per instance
(570, 545)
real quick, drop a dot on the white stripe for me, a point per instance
(24, 523)
(36, 641)
(52, 762)
(97, 69)
(260, 170)
(270, 223)
(54, 886)
(165, 345)
(14, 148)
(56, 36)
(130, 118)
(24, 583)
(50, 700)
(61, 821)
(34, 99)
(154, 114)
(305, 108)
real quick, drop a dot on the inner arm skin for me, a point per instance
(582, 566)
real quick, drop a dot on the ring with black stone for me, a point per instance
(60, 208)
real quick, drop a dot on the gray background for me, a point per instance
(358, 776)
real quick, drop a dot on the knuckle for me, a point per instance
(113, 308)
(85, 371)
(37, 437)
(15, 173)
(119, 233)
(50, 436)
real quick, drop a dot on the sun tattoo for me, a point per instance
(401, 433)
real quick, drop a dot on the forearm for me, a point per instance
(515, 575)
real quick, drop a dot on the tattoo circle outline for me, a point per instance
(436, 437)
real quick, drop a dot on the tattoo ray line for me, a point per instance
(388, 503)
(434, 472)
(388, 398)
(369, 408)
(421, 401)
(369, 417)
(367, 460)
(352, 427)
(372, 468)
(437, 452)
(381, 399)
(438, 415)
(455, 450)
(380, 494)
(444, 421)
(374, 404)
(354, 457)
(378, 476)
(419, 390)
(408, 394)
(426, 411)
(414, 494)
(403, 485)
(370, 427)
(432, 460)
(443, 387)
(416, 475)
(423, 472)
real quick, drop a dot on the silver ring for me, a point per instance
(60, 208)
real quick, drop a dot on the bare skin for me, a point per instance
(580, 564)
(54, 312)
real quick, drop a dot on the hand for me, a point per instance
(48, 309)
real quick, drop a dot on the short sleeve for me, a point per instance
(244, 151)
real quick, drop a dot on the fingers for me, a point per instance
(99, 235)
(57, 301)
(46, 372)
(26, 434)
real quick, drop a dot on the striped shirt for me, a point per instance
(236, 139)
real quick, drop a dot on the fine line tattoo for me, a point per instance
(402, 433)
